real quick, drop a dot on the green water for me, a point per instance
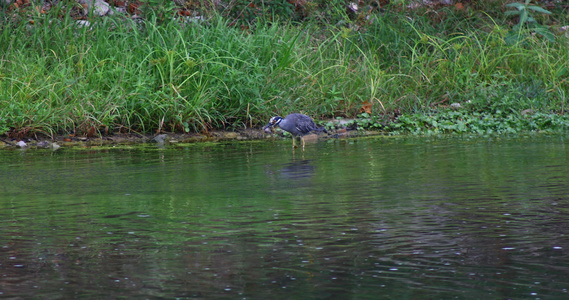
(374, 218)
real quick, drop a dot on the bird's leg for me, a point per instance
(293, 142)
(302, 140)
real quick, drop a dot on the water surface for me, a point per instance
(370, 218)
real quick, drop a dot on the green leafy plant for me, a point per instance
(464, 122)
(527, 24)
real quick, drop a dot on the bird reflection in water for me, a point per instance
(297, 169)
(296, 173)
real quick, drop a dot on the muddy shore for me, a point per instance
(168, 138)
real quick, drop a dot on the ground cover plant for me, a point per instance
(398, 67)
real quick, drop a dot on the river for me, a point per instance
(368, 218)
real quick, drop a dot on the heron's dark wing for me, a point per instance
(304, 124)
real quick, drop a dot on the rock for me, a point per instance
(160, 139)
(121, 10)
(310, 137)
(353, 7)
(229, 135)
(43, 144)
(21, 144)
(99, 7)
(455, 105)
(55, 146)
(343, 132)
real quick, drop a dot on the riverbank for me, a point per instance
(122, 140)
(442, 122)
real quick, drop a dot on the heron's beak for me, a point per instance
(268, 128)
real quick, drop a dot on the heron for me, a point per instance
(298, 125)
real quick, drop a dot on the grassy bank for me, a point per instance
(120, 74)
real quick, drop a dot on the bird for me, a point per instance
(298, 125)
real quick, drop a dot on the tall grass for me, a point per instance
(122, 75)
